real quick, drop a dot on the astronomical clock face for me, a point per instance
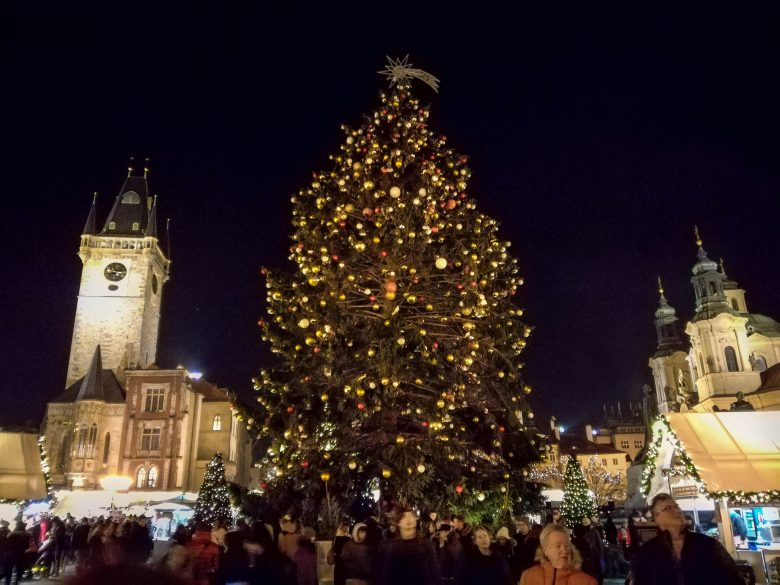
(115, 271)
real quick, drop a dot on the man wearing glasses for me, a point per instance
(680, 557)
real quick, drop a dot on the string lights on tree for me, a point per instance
(577, 502)
(213, 501)
(397, 333)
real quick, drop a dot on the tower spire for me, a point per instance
(698, 236)
(151, 226)
(666, 325)
(129, 216)
(708, 284)
(89, 226)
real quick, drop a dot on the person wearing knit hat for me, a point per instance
(504, 545)
(357, 557)
(486, 565)
(503, 532)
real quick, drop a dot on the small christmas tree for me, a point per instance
(213, 501)
(577, 502)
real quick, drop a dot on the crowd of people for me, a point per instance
(404, 550)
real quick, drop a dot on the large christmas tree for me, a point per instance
(397, 333)
(577, 502)
(213, 501)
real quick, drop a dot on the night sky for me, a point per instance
(596, 139)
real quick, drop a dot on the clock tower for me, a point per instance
(122, 279)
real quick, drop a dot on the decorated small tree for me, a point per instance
(213, 501)
(577, 502)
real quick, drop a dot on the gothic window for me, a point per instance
(216, 424)
(131, 197)
(734, 304)
(155, 400)
(140, 479)
(731, 359)
(106, 448)
(152, 479)
(136, 226)
(82, 444)
(713, 288)
(91, 439)
(150, 439)
(760, 364)
(62, 460)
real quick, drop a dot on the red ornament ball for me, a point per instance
(304, 464)
(316, 350)
(425, 423)
(361, 405)
(459, 488)
(291, 409)
(263, 485)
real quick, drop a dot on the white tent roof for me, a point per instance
(735, 451)
(21, 476)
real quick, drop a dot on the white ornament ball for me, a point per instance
(481, 497)
(422, 192)
(303, 323)
(401, 341)
(350, 140)
(395, 192)
(421, 468)
(441, 263)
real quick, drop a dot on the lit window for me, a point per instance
(136, 226)
(731, 359)
(216, 424)
(150, 439)
(152, 480)
(112, 225)
(155, 400)
(140, 480)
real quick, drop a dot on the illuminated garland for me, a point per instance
(45, 469)
(688, 469)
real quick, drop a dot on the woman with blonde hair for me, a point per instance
(560, 561)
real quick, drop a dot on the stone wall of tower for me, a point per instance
(671, 376)
(122, 316)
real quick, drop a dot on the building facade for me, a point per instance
(729, 350)
(120, 414)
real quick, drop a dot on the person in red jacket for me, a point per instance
(204, 554)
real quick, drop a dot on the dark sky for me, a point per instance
(597, 139)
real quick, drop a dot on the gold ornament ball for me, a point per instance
(395, 192)
(303, 323)
(441, 263)
(325, 476)
(386, 473)
(352, 465)
(390, 296)
(421, 468)
(324, 397)
(400, 439)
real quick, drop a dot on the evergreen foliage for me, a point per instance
(213, 501)
(577, 503)
(398, 339)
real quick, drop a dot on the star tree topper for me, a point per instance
(400, 70)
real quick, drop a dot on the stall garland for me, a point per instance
(688, 469)
(50, 497)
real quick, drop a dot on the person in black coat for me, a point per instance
(407, 559)
(525, 548)
(483, 566)
(678, 555)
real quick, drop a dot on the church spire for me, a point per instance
(92, 386)
(151, 226)
(89, 226)
(666, 326)
(708, 284)
(130, 214)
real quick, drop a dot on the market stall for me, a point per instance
(733, 460)
(21, 472)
